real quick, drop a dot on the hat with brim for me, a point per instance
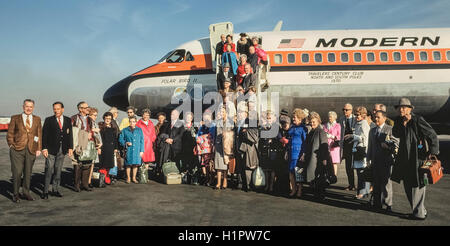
(227, 80)
(404, 102)
(226, 65)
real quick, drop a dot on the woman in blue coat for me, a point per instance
(230, 58)
(132, 139)
(297, 136)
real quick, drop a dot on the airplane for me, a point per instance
(320, 70)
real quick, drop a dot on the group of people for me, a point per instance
(239, 63)
(292, 150)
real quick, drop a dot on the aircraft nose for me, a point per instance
(117, 95)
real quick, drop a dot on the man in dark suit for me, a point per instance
(224, 74)
(57, 141)
(380, 154)
(348, 123)
(249, 78)
(219, 47)
(175, 132)
(25, 143)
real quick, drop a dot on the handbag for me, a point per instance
(360, 153)
(143, 174)
(299, 177)
(259, 179)
(113, 171)
(431, 171)
(367, 174)
(88, 154)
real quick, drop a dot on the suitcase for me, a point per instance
(433, 170)
(171, 173)
(172, 178)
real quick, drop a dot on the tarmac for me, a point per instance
(156, 204)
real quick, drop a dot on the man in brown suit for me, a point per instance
(25, 143)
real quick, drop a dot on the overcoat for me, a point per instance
(407, 163)
(136, 138)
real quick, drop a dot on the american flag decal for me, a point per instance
(291, 43)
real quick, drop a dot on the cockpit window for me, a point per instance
(177, 56)
(189, 56)
(165, 57)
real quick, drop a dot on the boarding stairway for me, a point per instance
(262, 81)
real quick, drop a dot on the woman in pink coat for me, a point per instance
(149, 136)
(333, 130)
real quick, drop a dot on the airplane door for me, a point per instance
(215, 30)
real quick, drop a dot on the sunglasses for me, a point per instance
(344, 109)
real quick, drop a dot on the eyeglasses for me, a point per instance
(346, 109)
(84, 107)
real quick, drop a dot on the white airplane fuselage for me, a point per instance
(318, 70)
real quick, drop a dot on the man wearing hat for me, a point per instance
(223, 75)
(413, 131)
(243, 45)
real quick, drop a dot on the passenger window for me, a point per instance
(344, 57)
(291, 58)
(448, 55)
(278, 58)
(370, 57)
(357, 57)
(331, 57)
(189, 56)
(410, 56)
(384, 56)
(397, 56)
(318, 57)
(437, 55)
(423, 56)
(305, 58)
(177, 56)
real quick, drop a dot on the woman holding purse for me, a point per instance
(110, 145)
(224, 147)
(333, 130)
(360, 143)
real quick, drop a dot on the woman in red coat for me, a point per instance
(149, 136)
(229, 42)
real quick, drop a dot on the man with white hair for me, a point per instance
(348, 123)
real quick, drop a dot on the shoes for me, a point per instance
(86, 189)
(44, 196)
(349, 188)
(16, 198)
(134, 181)
(91, 186)
(127, 182)
(360, 197)
(388, 209)
(223, 188)
(216, 188)
(413, 217)
(57, 194)
(28, 197)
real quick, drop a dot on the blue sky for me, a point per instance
(75, 50)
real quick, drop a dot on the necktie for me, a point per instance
(59, 122)
(28, 124)
(347, 126)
